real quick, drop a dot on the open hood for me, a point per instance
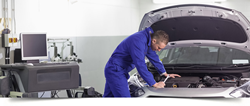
(198, 24)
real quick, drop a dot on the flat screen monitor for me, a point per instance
(34, 46)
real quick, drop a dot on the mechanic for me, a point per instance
(130, 53)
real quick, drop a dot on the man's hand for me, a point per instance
(172, 75)
(159, 85)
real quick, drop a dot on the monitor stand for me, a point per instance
(32, 61)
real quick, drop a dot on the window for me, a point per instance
(203, 55)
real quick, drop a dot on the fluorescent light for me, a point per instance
(185, 1)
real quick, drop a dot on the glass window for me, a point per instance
(203, 55)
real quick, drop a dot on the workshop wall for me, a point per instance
(95, 56)
(67, 18)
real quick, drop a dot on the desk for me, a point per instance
(44, 77)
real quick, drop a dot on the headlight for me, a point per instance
(135, 86)
(140, 92)
(135, 79)
(242, 91)
(248, 88)
(238, 93)
(135, 91)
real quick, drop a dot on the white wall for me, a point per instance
(240, 5)
(71, 18)
(74, 18)
(68, 18)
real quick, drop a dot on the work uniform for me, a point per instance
(130, 53)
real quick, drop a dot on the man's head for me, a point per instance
(159, 40)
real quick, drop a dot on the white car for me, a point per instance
(209, 47)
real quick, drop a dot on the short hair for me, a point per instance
(160, 36)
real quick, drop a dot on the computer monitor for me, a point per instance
(34, 46)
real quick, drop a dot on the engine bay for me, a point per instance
(200, 80)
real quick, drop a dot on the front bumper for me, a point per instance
(187, 92)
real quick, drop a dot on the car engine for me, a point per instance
(199, 81)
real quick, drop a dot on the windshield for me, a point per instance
(203, 55)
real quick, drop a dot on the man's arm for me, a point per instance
(136, 50)
(154, 59)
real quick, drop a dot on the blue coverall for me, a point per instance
(130, 53)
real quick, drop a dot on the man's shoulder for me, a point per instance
(139, 35)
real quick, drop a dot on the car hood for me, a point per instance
(199, 24)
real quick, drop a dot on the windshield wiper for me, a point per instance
(193, 65)
(237, 66)
(206, 66)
